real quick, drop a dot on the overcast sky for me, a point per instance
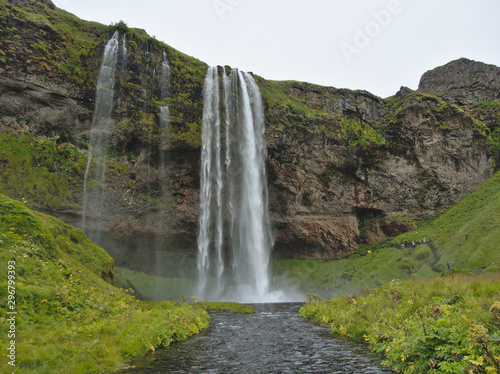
(376, 45)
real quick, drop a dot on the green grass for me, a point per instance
(445, 325)
(58, 40)
(45, 175)
(70, 319)
(467, 235)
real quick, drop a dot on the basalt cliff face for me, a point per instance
(421, 155)
(344, 167)
(463, 82)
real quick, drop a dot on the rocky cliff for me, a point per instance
(344, 167)
(463, 81)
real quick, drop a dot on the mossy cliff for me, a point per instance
(344, 167)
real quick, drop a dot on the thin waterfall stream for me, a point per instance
(163, 128)
(102, 125)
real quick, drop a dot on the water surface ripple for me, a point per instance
(274, 340)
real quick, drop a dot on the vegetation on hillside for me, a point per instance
(69, 50)
(69, 319)
(445, 325)
(488, 115)
(45, 175)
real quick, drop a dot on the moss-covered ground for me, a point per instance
(69, 319)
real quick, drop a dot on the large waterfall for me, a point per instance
(102, 125)
(235, 238)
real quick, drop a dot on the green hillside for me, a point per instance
(70, 318)
(467, 236)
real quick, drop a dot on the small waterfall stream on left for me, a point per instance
(163, 128)
(102, 125)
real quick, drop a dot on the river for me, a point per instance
(274, 340)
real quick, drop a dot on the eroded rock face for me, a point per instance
(43, 111)
(324, 197)
(463, 81)
(327, 194)
(340, 172)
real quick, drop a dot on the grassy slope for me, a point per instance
(467, 235)
(69, 319)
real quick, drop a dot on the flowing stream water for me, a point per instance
(274, 340)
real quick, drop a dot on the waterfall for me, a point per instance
(165, 74)
(210, 188)
(124, 53)
(237, 193)
(252, 240)
(163, 128)
(102, 125)
(164, 110)
(164, 117)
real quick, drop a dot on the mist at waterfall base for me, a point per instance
(233, 259)
(235, 235)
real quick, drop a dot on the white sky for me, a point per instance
(317, 41)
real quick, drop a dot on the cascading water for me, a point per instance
(124, 52)
(252, 240)
(164, 110)
(241, 188)
(164, 124)
(165, 74)
(102, 125)
(210, 190)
